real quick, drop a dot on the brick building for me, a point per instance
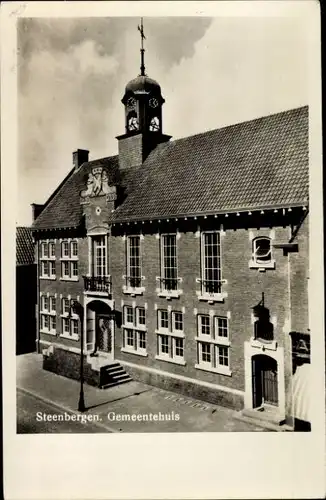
(189, 257)
(26, 286)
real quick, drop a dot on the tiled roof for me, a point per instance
(24, 246)
(256, 164)
(64, 209)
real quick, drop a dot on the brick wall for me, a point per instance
(244, 287)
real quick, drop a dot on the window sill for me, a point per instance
(48, 277)
(67, 259)
(217, 341)
(48, 313)
(96, 293)
(269, 346)
(134, 351)
(220, 370)
(44, 259)
(67, 278)
(69, 316)
(70, 337)
(128, 290)
(140, 328)
(49, 332)
(212, 297)
(171, 334)
(261, 267)
(169, 294)
(171, 360)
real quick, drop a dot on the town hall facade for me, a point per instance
(189, 258)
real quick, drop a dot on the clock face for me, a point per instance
(153, 102)
(133, 123)
(131, 102)
(154, 125)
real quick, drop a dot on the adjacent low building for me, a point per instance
(189, 258)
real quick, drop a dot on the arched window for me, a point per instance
(262, 250)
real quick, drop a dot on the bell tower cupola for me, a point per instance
(143, 103)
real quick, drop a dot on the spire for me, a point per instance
(142, 50)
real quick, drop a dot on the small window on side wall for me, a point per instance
(262, 257)
(262, 252)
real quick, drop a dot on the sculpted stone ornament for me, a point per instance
(98, 184)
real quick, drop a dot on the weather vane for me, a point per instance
(142, 50)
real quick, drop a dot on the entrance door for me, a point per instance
(264, 378)
(103, 333)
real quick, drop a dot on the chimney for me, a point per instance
(79, 157)
(36, 210)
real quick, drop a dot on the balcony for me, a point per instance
(169, 287)
(98, 285)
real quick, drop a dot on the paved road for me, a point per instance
(30, 418)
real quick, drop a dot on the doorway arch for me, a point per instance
(264, 380)
(99, 328)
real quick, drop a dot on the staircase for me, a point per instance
(113, 374)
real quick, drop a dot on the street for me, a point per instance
(28, 407)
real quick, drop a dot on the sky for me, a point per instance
(213, 72)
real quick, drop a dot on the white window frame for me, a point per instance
(48, 258)
(138, 330)
(162, 291)
(49, 312)
(203, 294)
(172, 334)
(70, 317)
(128, 289)
(254, 263)
(215, 341)
(69, 259)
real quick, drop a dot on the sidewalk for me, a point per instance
(115, 405)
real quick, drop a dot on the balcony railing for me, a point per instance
(211, 286)
(97, 284)
(169, 284)
(133, 281)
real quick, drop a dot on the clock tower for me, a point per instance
(143, 103)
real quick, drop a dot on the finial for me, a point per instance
(142, 50)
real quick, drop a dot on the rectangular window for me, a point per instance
(177, 321)
(66, 326)
(212, 278)
(213, 354)
(99, 256)
(204, 325)
(74, 268)
(129, 315)
(65, 249)
(51, 249)
(48, 313)
(65, 306)
(170, 336)
(169, 272)
(163, 344)
(141, 316)
(65, 273)
(133, 261)
(142, 340)
(74, 249)
(221, 327)
(130, 338)
(178, 347)
(47, 259)
(222, 356)
(74, 326)
(163, 319)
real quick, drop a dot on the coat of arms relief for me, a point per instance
(98, 185)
